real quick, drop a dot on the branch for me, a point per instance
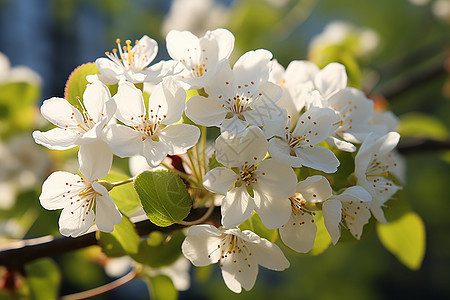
(422, 145)
(102, 289)
(15, 255)
(398, 87)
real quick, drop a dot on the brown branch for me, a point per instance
(423, 145)
(16, 255)
(404, 84)
(102, 289)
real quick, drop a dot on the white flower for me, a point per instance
(238, 252)
(299, 232)
(199, 57)
(260, 185)
(304, 76)
(299, 147)
(350, 208)
(373, 165)
(151, 134)
(84, 129)
(238, 97)
(131, 63)
(83, 201)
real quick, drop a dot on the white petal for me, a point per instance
(154, 152)
(340, 144)
(61, 113)
(273, 211)
(225, 41)
(123, 141)
(268, 254)
(174, 97)
(375, 208)
(94, 99)
(314, 189)
(300, 71)
(145, 50)
(318, 158)
(57, 138)
(223, 85)
(106, 214)
(130, 104)
(110, 72)
(356, 216)
(205, 111)
(233, 125)
(74, 221)
(299, 233)
(200, 245)
(279, 149)
(179, 137)
(355, 193)
(276, 178)
(252, 147)
(331, 79)
(235, 279)
(253, 65)
(177, 43)
(95, 160)
(315, 125)
(54, 190)
(219, 180)
(237, 206)
(332, 217)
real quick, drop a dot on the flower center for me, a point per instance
(247, 175)
(233, 248)
(81, 194)
(150, 126)
(131, 61)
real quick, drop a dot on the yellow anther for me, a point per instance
(385, 174)
(117, 41)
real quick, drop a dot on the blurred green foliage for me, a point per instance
(412, 40)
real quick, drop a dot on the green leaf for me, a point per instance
(123, 240)
(419, 125)
(161, 287)
(255, 224)
(323, 239)
(164, 254)
(405, 238)
(125, 196)
(164, 197)
(43, 278)
(76, 84)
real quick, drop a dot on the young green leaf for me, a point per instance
(164, 197)
(323, 239)
(76, 84)
(43, 278)
(405, 238)
(161, 287)
(123, 240)
(125, 195)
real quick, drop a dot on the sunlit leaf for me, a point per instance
(419, 125)
(323, 239)
(43, 278)
(123, 240)
(164, 197)
(125, 196)
(405, 238)
(76, 84)
(161, 287)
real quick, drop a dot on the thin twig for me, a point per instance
(422, 145)
(102, 289)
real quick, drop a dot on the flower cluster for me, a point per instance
(276, 125)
